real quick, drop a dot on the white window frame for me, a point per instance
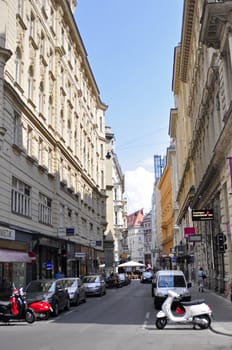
(45, 210)
(20, 198)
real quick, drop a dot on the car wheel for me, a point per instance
(67, 307)
(84, 299)
(55, 309)
(77, 301)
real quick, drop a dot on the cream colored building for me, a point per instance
(115, 237)
(201, 126)
(52, 140)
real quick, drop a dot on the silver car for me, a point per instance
(75, 288)
(94, 285)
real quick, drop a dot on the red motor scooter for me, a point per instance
(41, 308)
(16, 308)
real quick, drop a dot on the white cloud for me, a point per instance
(139, 188)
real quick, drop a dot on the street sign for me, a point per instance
(81, 255)
(61, 231)
(93, 244)
(202, 215)
(70, 231)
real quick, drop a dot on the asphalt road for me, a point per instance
(122, 319)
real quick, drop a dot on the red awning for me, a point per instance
(14, 256)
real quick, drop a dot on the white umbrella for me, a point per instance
(131, 264)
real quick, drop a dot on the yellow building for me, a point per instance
(165, 188)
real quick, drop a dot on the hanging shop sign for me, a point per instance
(188, 231)
(202, 215)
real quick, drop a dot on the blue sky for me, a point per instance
(130, 46)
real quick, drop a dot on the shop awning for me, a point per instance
(14, 256)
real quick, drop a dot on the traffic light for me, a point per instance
(220, 240)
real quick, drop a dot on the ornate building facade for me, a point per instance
(52, 142)
(201, 125)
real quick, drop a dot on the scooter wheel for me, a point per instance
(29, 316)
(206, 325)
(161, 323)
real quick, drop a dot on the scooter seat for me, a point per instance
(193, 302)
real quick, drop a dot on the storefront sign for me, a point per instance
(6, 233)
(195, 238)
(202, 215)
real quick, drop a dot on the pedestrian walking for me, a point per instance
(201, 277)
(229, 288)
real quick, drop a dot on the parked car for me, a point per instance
(165, 280)
(50, 290)
(124, 280)
(75, 288)
(94, 285)
(146, 277)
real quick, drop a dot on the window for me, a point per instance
(69, 132)
(50, 115)
(20, 198)
(32, 26)
(16, 131)
(40, 152)
(45, 209)
(20, 7)
(41, 98)
(42, 44)
(102, 179)
(102, 154)
(30, 83)
(115, 218)
(18, 62)
(50, 161)
(29, 140)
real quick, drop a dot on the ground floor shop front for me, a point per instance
(25, 256)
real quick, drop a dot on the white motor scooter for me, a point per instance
(196, 312)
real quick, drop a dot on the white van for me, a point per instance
(165, 280)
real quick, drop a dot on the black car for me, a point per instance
(50, 290)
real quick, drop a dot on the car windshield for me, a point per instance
(38, 286)
(90, 279)
(171, 281)
(70, 283)
(147, 273)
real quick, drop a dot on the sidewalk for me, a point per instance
(221, 307)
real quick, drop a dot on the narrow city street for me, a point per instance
(122, 319)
